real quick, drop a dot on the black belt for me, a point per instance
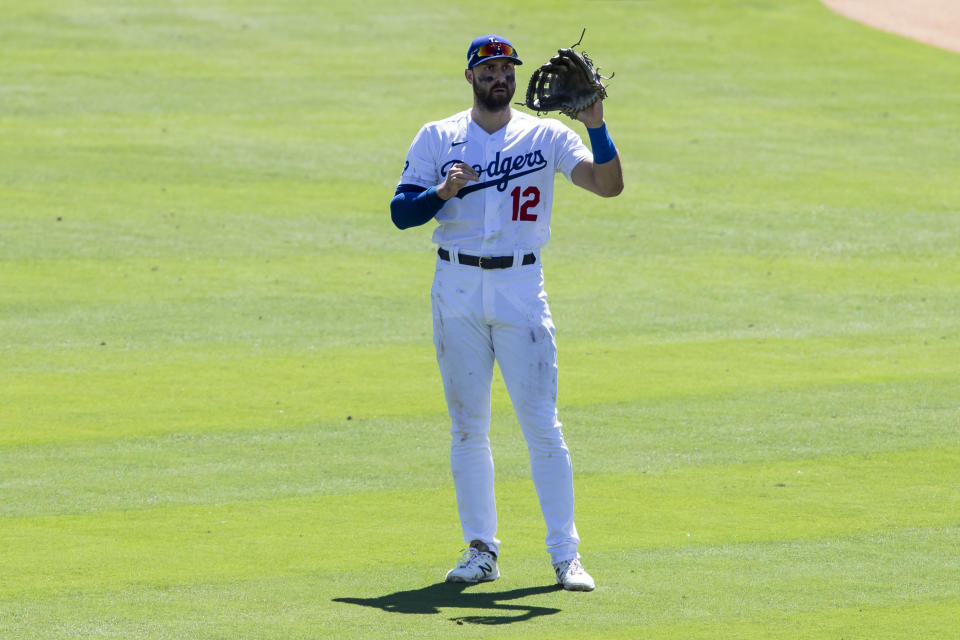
(499, 262)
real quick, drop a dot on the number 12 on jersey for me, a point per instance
(521, 209)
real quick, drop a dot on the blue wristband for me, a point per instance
(602, 145)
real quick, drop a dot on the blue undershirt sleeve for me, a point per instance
(413, 206)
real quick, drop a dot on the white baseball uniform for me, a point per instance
(483, 315)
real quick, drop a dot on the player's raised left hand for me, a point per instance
(592, 116)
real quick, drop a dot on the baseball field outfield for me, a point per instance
(220, 412)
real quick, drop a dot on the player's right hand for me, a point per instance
(457, 177)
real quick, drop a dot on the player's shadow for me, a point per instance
(453, 595)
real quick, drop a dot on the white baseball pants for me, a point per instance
(484, 316)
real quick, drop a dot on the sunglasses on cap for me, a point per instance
(495, 49)
(488, 47)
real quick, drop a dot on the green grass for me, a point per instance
(220, 414)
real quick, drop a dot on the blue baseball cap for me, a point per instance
(490, 47)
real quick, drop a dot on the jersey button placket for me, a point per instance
(490, 227)
(489, 197)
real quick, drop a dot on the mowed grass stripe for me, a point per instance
(776, 500)
(867, 603)
(789, 294)
(902, 620)
(772, 588)
(110, 390)
(698, 506)
(347, 456)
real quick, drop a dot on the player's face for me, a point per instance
(494, 83)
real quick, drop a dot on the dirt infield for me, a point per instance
(935, 22)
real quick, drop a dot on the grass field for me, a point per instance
(220, 415)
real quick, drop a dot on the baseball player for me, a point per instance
(486, 176)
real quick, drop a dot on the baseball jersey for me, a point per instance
(509, 207)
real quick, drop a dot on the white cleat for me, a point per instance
(478, 564)
(572, 576)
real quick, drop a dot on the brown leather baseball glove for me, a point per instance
(567, 82)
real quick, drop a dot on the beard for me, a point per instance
(491, 101)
